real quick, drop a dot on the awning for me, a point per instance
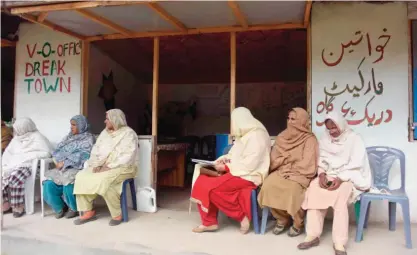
(104, 20)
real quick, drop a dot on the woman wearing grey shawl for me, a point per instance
(69, 158)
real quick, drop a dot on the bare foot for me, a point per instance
(202, 228)
(244, 225)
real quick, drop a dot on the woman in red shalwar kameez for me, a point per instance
(236, 174)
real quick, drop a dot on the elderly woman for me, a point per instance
(114, 158)
(69, 158)
(228, 186)
(293, 165)
(27, 144)
(344, 173)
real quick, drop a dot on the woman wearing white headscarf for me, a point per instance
(27, 144)
(228, 186)
(344, 173)
(114, 159)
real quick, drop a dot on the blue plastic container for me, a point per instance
(222, 141)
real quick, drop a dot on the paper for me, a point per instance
(203, 162)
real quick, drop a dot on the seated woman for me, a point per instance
(293, 165)
(69, 158)
(114, 159)
(27, 144)
(228, 188)
(344, 173)
(6, 136)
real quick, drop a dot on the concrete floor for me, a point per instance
(168, 232)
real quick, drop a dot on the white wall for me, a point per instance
(50, 105)
(335, 24)
(130, 97)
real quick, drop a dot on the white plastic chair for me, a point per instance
(30, 188)
(44, 166)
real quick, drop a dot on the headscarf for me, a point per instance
(287, 153)
(243, 122)
(74, 150)
(107, 141)
(27, 144)
(345, 156)
(295, 134)
(117, 118)
(341, 125)
(23, 126)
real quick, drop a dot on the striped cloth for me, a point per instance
(14, 187)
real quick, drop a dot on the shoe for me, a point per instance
(84, 219)
(18, 214)
(202, 229)
(114, 222)
(278, 229)
(339, 252)
(294, 231)
(308, 245)
(8, 211)
(71, 214)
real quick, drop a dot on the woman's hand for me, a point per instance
(220, 167)
(335, 184)
(97, 169)
(323, 181)
(223, 161)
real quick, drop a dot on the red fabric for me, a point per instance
(227, 168)
(228, 193)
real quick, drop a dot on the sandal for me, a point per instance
(202, 228)
(338, 252)
(278, 229)
(307, 245)
(244, 226)
(84, 219)
(18, 214)
(8, 211)
(294, 231)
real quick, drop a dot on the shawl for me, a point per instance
(345, 156)
(121, 144)
(73, 150)
(249, 155)
(295, 151)
(27, 144)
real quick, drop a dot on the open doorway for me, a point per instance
(194, 93)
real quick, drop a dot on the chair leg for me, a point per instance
(367, 215)
(265, 214)
(133, 193)
(363, 211)
(255, 218)
(405, 206)
(42, 201)
(123, 202)
(392, 215)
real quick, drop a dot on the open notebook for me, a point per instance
(203, 162)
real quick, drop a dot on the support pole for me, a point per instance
(232, 73)
(155, 85)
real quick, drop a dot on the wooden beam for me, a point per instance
(194, 31)
(7, 43)
(168, 17)
(238, 14)
(85, 63)
(52, 26)
(42, 16)
(309, 84)
(232, 74)
(103, 21)
(155, 85)
(307, 13)
(69, 6)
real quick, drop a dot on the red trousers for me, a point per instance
(232, 197)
